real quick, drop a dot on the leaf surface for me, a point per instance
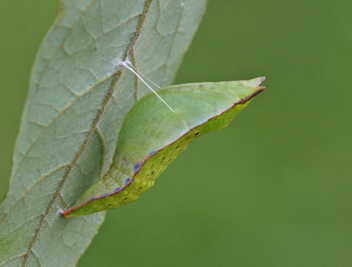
(76, 104)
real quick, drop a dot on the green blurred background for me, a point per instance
(272, 189)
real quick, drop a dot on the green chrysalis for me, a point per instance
(152, 135)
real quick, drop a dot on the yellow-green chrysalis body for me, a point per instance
(152, 135)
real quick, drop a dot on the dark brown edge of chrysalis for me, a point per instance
(240, 102)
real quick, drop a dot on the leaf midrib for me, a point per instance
(118, 75)
(67, 107)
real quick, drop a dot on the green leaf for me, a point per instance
(76, 104)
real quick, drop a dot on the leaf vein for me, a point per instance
(30, 188)
(118, 75)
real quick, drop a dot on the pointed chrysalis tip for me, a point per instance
(261, 79)
(261, 88)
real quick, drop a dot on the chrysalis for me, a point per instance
(152, 135)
